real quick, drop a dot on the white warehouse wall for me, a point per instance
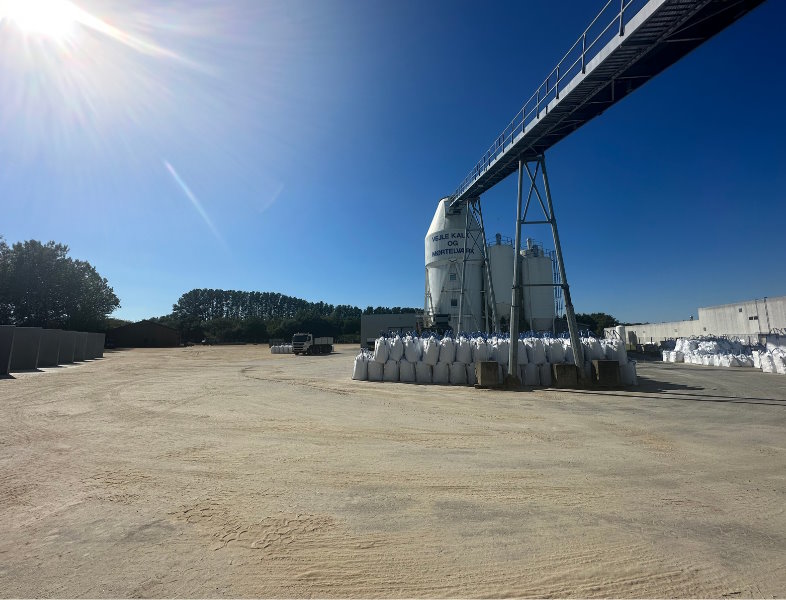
(746, 319)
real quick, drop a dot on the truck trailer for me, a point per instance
(306, 343)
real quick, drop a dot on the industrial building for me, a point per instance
(469, 282)
(751, 320)
(371, 326)
(144, 334)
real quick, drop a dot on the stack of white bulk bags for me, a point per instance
(430, 360)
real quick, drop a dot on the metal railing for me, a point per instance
(588, 45)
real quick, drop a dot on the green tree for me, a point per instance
(41, 286)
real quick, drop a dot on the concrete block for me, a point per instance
(95, 345)
(27, 341)
(487, 373)
(67, 347)
(6, 347)
(565, 376)
(49, 351)
(80, 349)
(606, 373)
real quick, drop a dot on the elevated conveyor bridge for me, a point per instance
(628, 43)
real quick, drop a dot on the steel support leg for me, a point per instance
(513, 353)
(575, 340)
(490, 296)
(463, 268)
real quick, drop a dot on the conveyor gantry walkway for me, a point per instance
(626, 45)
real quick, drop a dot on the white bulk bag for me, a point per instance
(441, 373)
(595, 350)
(545, 374)
(375, 370)
(406, 371)
(471, 379)
(767, 364)
(622, 353)
(555, 351)
(422, 372)
(391, 371)
(360, 370)
(396, 349)
(522, 353)
(569, 355)
(480, 350)
(531, 374)
(447, 350)
(430, 351)
(413, 350)
(756, 359)
(491, 347)
(458, 373)
(666, 356)
(536, 352)
(381, 350)
(463, 351)
(503, 352)
(679, 357)
(779, 361)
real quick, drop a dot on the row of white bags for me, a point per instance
(770, 361)
(366, 368)
(712, 360)
(709, 345)
(283, 349)
(467, 350)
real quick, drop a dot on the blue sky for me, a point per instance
(302, 146)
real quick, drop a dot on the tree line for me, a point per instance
(240, 316)
(41, 286)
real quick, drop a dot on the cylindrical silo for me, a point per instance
(537, 268)
(444, 266)
(500, 254)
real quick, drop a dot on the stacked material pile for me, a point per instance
(282, 349)
(709, 351)
(449, 361)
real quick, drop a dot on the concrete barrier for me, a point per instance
(6, 346)
(98, 344)
(49, 351)
(27, 341)
(94, 346)
(67, 348)
(80, 350)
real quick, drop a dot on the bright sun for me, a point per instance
(48, 18)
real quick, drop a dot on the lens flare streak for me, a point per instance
(194, 201)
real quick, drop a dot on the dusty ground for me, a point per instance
(233, 472)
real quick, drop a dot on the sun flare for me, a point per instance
(53, 19)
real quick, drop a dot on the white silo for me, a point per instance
(500, 254)
(539, 306)
(444, 266)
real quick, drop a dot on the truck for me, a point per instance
(306, 343)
